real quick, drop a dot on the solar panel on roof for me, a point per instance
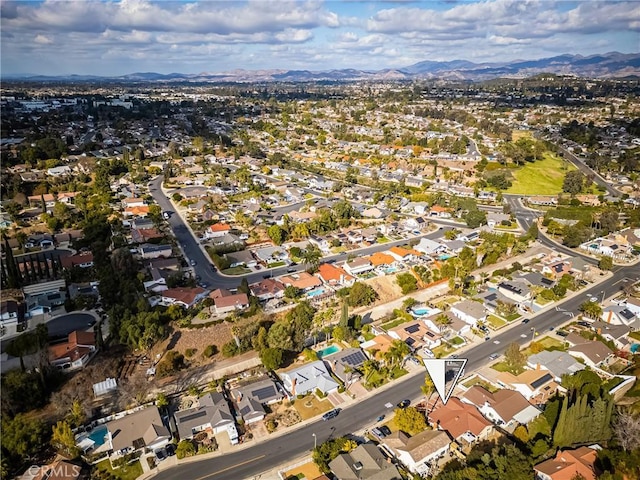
(264, 392)
(355, 358)
(542, 381)
(412, 328)
(193, 416)
(492, 297)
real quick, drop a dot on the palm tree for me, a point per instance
(428, 388)
(311, 257)
(443, 321)
(397, 351)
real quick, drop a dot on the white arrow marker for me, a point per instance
(437, 369)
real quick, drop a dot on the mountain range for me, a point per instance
(608, 65)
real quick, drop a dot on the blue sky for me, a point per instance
(57, 37)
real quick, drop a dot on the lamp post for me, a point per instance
(602, 292)
(533, 333)
(315, 441)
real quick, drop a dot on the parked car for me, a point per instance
(562, 333)
(376, 432)
(171, 449)
(404, 403)
(161, 454)
(385, 430)
(493, 356)
(584, 324)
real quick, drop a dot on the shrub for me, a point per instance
(320, 393)
(271, 425)
(230, 349)
(190, 352)
(210, 351)
(185, 449)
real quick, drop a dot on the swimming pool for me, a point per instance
(390, 270)
(444, 256)
(316, 292)
(328, 351)
(93, 439)
(635, 347)
(421, 311)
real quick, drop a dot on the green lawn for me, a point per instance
(382, 240)
(394, 323)
(457, 341)
(276, 264)
(547, 343)
(236, 271)
(442, 351)
(128, 472)
(635, 335)
(500, 367)
(512, 317)
(496, 322)
(543, 177)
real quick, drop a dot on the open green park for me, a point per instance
(543, 177)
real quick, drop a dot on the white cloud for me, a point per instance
(43, 40)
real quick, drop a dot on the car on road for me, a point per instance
(404, 403)
(192, 263)
(551, 329)
(486, 339)
(204, 285)
(525, 321)
(493, 356)
(291, 270)
(331, 414)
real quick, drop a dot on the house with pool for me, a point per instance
(141, 430)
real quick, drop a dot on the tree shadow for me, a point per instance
(174, 340)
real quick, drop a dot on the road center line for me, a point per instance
(231, 467)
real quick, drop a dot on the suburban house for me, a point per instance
(505, 408)
(358, 265)
(267, 289)
(217, 230)
(226, 301)
(308, 378)
(416, 335)
(334, 276)
(569, 464)
(75, 353)
(495, 219)
(321, 243)
(418, 452)
(462, 421)
(537, 386)
(633, 304)
(403, 254)
(469, 311)
(345, 364)
(594, 353)
(440, 212)
(11, 313)
(380, 259)
(516, 290)
(241, 258)
(133, 202)
(430, 247)
(143, 235)
(149, 250)
(184, 296)
(557, 362)
(378, 345)
(365, 462)
(621, 315)
(268, 255)
(618, 334)
(250, 399)
(137, 431)
(212, 415)
(82, 260)
(301, 280)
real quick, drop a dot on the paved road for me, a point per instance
(584, 168)
(206, 271)
(254, 460)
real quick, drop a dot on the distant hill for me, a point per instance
(609, 65)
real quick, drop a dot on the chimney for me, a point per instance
(538, 367)
(293, 386)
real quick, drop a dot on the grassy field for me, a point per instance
(496, 322)
(543, 177)
(236, 271)
(478, 381)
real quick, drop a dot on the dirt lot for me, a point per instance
(309, 471)
(386, 287)
(183, 339)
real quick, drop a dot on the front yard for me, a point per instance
(310, 407)
(236, 271)
(128, 472)
(496, 322)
